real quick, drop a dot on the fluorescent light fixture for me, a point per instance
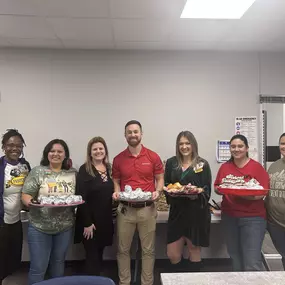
(215, 9)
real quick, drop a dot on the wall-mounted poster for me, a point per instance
(223, 150)
(247, 126)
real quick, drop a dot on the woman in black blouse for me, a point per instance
(189, 217)
(94, 223)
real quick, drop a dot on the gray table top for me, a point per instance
(224, 278)
(162, 217)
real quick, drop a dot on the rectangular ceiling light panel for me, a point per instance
(215, 9)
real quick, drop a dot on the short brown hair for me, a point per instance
(133, 122)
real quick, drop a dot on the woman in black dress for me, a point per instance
(189, 217)
(94, 223)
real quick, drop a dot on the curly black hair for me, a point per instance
(11, 133)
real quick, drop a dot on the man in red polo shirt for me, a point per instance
(142, 168)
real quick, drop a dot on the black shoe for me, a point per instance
(178, 267)
(195, 266)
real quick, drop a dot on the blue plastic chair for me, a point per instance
(78, 280)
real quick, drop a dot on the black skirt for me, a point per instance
(11, 241)
(190, 219)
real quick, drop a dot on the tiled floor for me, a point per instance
(110, 270)
(161, 266)
(268, 246)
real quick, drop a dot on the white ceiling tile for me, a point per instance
(74, 8)
(85, 44)
(191, 45)
(199, 30)
(266, 10)
(256, 31)
(25, 27)
(36, 43)
(238, 46)
(17, 7)
(250, 46)
(137, 24)
(140, 30)
(78, 29)
(146, 8)
(141, 45)
(166, 45)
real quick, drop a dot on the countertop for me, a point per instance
(162, 217)
(224, 278)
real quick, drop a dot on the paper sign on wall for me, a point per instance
(223, 150)
(247, 126)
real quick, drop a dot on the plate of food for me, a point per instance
(57, 201)
(243, 191)
(239, 186)
(135, 196)
(178, 190)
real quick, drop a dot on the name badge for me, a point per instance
(199, 167)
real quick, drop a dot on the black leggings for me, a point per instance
(94, 257)
(11, 239)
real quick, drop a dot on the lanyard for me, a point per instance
(184, 173)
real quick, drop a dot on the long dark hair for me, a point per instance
(47, 149)
(242, 138)
(192, 140)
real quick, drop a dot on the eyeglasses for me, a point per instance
(11, 145)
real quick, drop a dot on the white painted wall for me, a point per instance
(274, 123)
(76, 95)
(272, 73)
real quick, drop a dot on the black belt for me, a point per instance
(137, 204)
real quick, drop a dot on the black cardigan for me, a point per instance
(97, 209)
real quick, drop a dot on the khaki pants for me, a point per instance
(144, 219)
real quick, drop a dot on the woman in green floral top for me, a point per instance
(50, 229)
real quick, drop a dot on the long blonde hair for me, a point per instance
(88, 163)
(192, 140)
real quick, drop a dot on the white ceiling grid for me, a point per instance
(136, 24)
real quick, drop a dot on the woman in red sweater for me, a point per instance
(243, 217)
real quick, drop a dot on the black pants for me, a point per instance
(94, 257)
(11, 240)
